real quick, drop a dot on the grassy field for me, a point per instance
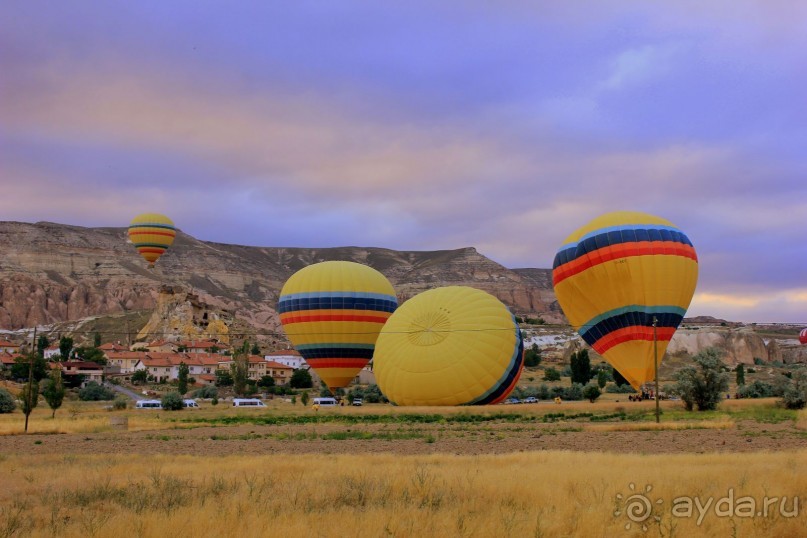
(531, 494)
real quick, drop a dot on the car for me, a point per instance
(190, 403)
(357, 401)
(530, 399)
(247, 402)
(510, 401)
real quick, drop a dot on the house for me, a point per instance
(161, 369)
(90, 370)
(256, 366)
(112, 347)
(202, 364)
(9, 347)
(287, 357)
(125, 360)
(6, 360)
(161, 346)
(51, 352)
(201, 346)
(281, 373)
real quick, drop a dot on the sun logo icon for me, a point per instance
(638, 507)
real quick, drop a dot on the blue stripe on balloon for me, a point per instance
(506, 382)
(336, 351)
(630, 316)
(375, 302)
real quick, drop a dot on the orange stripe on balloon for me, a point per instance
(628, 334)
(622, 250)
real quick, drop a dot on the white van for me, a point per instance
(190, 403)
(248, 402)
(325, 402)
(149, 404)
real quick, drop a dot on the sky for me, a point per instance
(418, 125)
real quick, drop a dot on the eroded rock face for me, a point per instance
(738, 345)
(52, 272)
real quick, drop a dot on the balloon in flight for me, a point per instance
(803, 336)
(617, 274)
(152, 234)
(332, 313)
(449, 346)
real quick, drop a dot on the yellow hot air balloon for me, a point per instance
(618, 273)
(152, 234)
(449, 346)
(332, 313)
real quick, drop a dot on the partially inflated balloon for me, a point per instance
(449, 346)
(617, 273)
(152, 234)
(332, 313)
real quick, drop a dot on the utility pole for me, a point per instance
(655, 363)
(31, 358)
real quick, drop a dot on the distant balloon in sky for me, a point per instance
(803, 336)
(618, 272)
(449, 346)
(332, 313)
(152, 234)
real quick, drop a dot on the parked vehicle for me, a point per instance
(248, 402)
(530, 399)
(357, 402)
(510, 401)
(325, 402)
(190, 403)
(149, 404)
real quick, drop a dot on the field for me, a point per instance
(575, 469)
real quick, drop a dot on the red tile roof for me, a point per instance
(277, 365)
(284, 353)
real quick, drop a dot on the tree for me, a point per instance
(92, 392)
(619, 379)
(581, 367)
(182, 378)
(54, 391)
(602, 378)
(22, 365)
(255, 350)
(65, 347)
(704, 384)
(140, 376)
(301, 379)
(795, 393)
(550, 374)
(266, 381)
(740, 375)
(172, 401)
(304, 398)
(28, 400)
(42, 344)
(96, 340)
(223, 378)
(591, 392)
(90, 354)
(239, 369)
(532, 356)
(7, 403)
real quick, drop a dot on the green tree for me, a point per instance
(65, 347)
(239, 369)
(140, 376)
(740, 375)
(22, 365)
(532, 356)
(304, 398)
(92, 391)
(172, 401)
(704, 384)
(54, 391)
(90, 354)
(255, 349)
(224, 378)
(96, 339)
(602, 378)
(619, 379)
(301, 379)
(581, 367)
(795, 391)
(7, 403)
(182, 378)
(551, 374)
(42, 344)
(591, 392)
(29, 397)
(266, 381)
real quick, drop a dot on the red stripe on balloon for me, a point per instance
(330, 317)
(337, 363)
(167, 234)
(634, 332)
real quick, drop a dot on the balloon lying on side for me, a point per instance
(152, 234)
(618, 273)
(803, 336)
(449, 346)
(332, 313)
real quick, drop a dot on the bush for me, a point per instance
(702, 385)
(613, 388)
(573, 393)
(93, 392)
(795, 393)
(757, 389)
(301, 379)
(172, 401)
(550, 374)
(7, 403)
(119, 404)
(206, 392)
(591, 392)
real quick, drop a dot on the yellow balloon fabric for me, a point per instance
(449, 346)
(152, 234)
(618, 273)
(332, 313)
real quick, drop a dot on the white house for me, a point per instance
(286, 357)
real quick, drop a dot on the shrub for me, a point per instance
(757, 389)
(613, 388)
(172, 401)
(702, 385)
(119, 404)
(7, 403)
(550, 374)
(795, 393)
(95, 392)
(206, 392)
(591, 392)
(301, 379)
(758, 361)
(573, 393)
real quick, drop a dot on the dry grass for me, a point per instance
(528, 494)
(653, 426)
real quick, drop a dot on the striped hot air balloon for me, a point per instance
(332, 313)
(449, 346)
(618, 273)
(152, 234)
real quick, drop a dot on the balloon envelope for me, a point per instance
(449, 346)
(617, 273)
(152, 234)
(332, 313)
(803, 336)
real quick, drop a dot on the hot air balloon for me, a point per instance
(332, 313)
(803, 336)
(616, 275)
(152, 234)
(449, 346)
